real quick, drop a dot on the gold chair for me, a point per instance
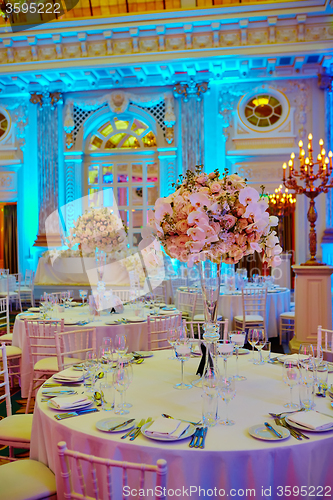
(158, 328)
(254, 309)
(72, 347)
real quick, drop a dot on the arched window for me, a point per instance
(121, 155)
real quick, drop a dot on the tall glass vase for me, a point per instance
(210, 279)
(100, 256)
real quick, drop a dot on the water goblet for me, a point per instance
(253, 339)
(70, 296)
(120, 344)
(83, 295)
(291, 377)
(227, 391)
(107, 395)
(238, 339)
(225, 349)
(259, 346)
(183, 353)
(121, 380)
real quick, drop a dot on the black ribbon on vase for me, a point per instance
(202, 364)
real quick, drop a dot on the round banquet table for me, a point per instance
(232, 459)
(136, 334)
(230, 305)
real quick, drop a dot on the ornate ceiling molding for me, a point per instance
(245, 36)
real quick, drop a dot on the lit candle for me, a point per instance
(307, 161)
(284, 166)
(326, 166)
(321, 142)
(290, 163)
(330, 154)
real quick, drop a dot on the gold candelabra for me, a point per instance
(309, 177)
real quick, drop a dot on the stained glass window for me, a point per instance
(122, 133)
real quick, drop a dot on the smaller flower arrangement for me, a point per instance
(98, 228)
(213, 217)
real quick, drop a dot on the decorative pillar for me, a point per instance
(313, 305)
(325, 83)
(47, 129)
(192, 118)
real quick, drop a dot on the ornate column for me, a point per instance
(47, 129)
(192, 119)
(325, 83)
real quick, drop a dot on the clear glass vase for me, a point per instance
(100, 257)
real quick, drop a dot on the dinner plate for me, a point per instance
(302, 428)
(261, 432)
(87, 404)
(71, 322)
(30, 316)
(34, 309)
(111, 322)
(169, 308)
(189, 432)
(65, 380)
(104, 425)
(242, 350)
(135, 319)
(144, 354)
(75, 303)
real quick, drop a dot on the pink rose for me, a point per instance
(242, 224)
(240, 239)
(201, 179)
(204, 190)
(181, 241)
(216, 227)
(229, 221)
(212, 175)
(182, 226)
(215, 187)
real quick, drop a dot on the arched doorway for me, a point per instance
(121, 163)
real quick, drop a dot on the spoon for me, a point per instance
(278, 415)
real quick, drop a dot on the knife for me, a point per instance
(276, 433)
(121, 425)
(61, 416)
(132, 431)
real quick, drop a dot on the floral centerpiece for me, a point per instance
(216, 218)
(98, 228)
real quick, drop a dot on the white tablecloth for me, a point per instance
(78, 271)
(231, 458)
(136, 335)
(231, 305)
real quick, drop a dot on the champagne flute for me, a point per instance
(227, 391)
(121, 380)
(253, 339)
(291, 377)
(238, 339)
(183, 352)
(89, 370)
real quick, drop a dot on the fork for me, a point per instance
(292, 431)
(279, 415)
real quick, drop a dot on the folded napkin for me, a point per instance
(69, 402)
(312, 420)
(167, 428)
(68, 375)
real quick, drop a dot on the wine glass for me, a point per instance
(227, 391)
(225, 349)
(253, 339)
(121, 380)
(83, 295)
(305, 353)
(120, 344)
(183, 353)
(238, 339)
(260, 345)
(291, 377)
(70, 296)
(106, 360)
(322, 378)
(173, 336)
